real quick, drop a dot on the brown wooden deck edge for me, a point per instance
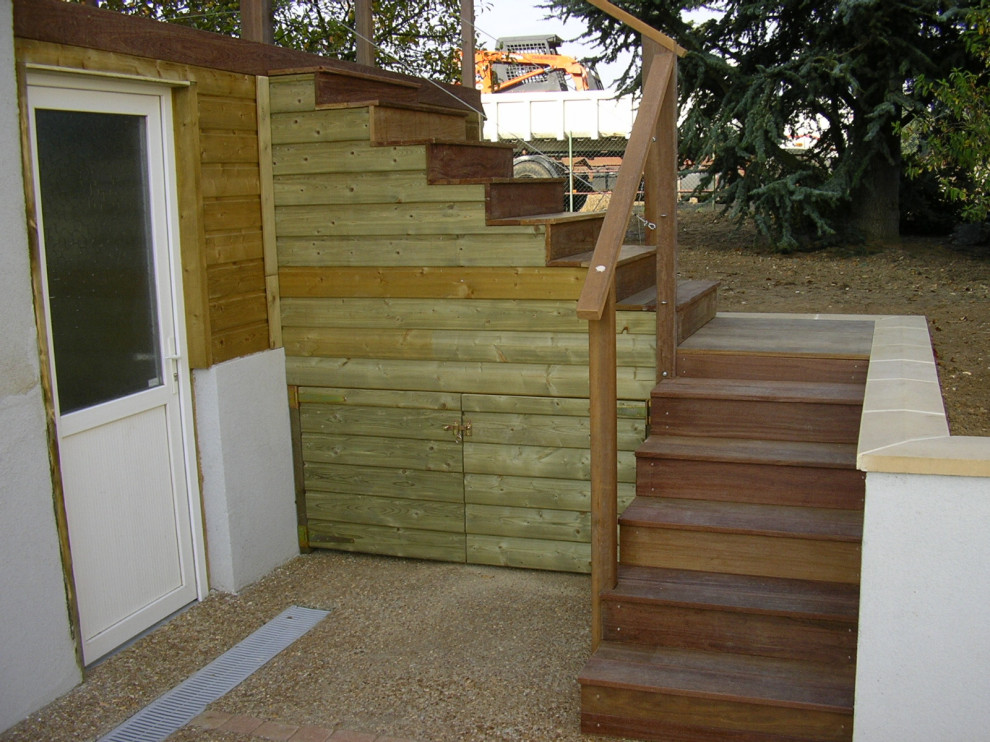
(59, 22)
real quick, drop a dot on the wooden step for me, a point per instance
(697, 304)
(740, 614)
(742, 538)
(453, 162)
(700, 364)
(766, 410)
(510, 197)
(635, 269)
(397, 123)
(567, 233)
(678, 694)
(795, 473)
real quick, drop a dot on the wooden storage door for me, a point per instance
(387, 472)
(382, 474)
(527, 478)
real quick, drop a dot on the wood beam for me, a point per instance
(256, 21)
(467, 43)
(365, 26)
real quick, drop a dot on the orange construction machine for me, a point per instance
(530, 64)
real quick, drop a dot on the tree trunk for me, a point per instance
(876, 203)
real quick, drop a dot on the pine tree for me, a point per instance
(758, 73)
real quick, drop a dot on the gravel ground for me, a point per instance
(413, 649)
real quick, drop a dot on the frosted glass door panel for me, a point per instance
(100, 257)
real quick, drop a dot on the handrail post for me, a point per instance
(660, 209)
(604, 460)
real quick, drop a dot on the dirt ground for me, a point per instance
(920, 275)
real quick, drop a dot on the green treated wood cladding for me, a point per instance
(407, 317)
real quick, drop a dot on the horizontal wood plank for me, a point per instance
(225, 113)
(232, 247)
(385, 511)
(562, 431)
(370, 188)
(541, 523)
(443, 345)
(538, 461)
(230, 279)
(344, 157)
(377, 219)
(418, 424)
(478, 314)
(239, 341)
(536, 492)
(389, 453)
(228, 214)
(226, 180)
(545, 406)
(402, 542)
(504, 551)
(476, 378)
(438, 282)
(226, 147)
(519, 250)
(292, 93)
(306, 127)
(412, 484)
(237, 311)
(378, 398)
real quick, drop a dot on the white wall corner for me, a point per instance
(924, 647)
(245, 447)
(37, 652)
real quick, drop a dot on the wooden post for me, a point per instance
(467, 43)
(661, 210)
(365, 26)
(256, 21)
(604, 461)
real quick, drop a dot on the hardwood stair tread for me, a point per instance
(785, 521)
(744, 450)
(740, 593)
(761, 390)
(559, 217)
(764, 681)
(627, 254)
(774, 335)
(688, 291)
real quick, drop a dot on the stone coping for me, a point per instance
(904, 429)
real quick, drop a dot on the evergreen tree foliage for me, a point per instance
(758, 73)
(419, 37)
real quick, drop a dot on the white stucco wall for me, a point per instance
(242, 426)
(923, 671)
(37, 652)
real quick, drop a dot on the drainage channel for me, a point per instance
(186, 701)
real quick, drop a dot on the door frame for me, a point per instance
(62, 78)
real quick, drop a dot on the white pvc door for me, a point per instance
(103, 168)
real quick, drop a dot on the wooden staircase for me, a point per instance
(735, 613)
(454, 156)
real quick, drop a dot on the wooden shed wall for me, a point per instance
(220, 185)
(406, 316)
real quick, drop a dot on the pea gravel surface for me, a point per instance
(412, 649)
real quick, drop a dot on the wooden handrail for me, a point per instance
(650, 154)
(607, 248)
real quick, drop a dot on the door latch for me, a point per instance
(460, 431)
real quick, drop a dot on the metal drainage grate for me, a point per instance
(184, 702)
